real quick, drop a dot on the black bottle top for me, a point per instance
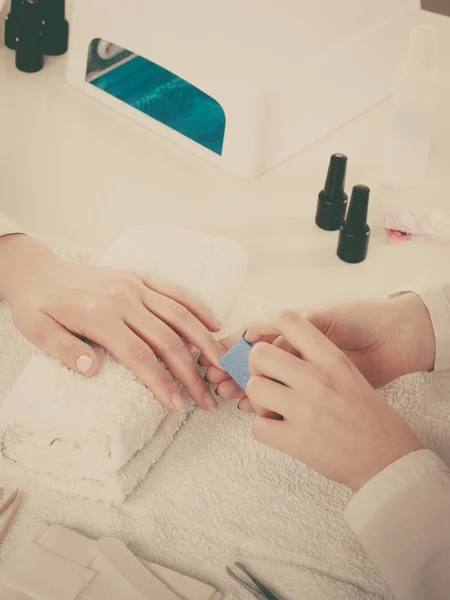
(12, 24)
(332, 201)
(355, 232)
(55, 28)
(29, 52)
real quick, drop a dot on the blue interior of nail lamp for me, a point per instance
(160, 94)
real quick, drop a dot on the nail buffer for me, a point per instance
(235, 362)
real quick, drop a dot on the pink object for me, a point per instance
(402, 225)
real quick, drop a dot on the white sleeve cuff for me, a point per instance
(401, 475)
(438, 306)
(7, 226)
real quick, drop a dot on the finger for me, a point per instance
(216, 376)
(269, 432)
(302, 335)
(185, 323)
(274, 363)
(269, 395)
(322, 319)
(56, 341)
(203, 361)
(131, 350)
(281, 343)
(186, 299)
(226, 344)
(171, 348)
(229, 390)
(246, 406)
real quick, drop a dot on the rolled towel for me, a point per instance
(80, 433)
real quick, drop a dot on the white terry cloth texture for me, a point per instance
(60, 564)
(217, 496)
(97, 437)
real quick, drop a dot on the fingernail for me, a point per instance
(218, 323)
(240, 407)
(178, 402)
(210, 401)
(84, 363)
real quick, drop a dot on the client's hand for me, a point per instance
(334, 421)
(384, 339)
(55, 303)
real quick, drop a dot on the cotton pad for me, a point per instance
(235, 362)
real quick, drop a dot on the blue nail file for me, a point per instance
(235, 362)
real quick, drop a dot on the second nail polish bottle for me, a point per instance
(354, 234)
(55, 27)
(29, 50)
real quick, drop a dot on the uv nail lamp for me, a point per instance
(244, 84)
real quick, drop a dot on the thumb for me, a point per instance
(56, 341)
(322, 319)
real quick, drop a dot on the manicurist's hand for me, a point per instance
(333, 420)
(385, 339)
(54, 303)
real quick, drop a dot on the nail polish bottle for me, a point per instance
(55, 27)
(355, 232)
(12, 23)
(29, 54)
(332, 201)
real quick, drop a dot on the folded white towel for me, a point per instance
(81, 433)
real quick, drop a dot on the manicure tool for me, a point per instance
(235, 362)
(256, 588)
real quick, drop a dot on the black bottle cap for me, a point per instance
(29, 54)
(355, 233)
(55, 28)
(12, 24)
(332, 201)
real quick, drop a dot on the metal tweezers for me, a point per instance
(256, 588)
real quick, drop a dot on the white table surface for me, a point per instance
(70, 167)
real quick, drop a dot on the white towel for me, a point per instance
(217, 496)
(80, 433)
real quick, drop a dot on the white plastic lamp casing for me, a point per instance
(413, 110)
(285, 73)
